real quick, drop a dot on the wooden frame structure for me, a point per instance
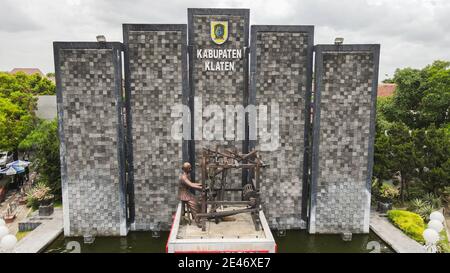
(215, 166)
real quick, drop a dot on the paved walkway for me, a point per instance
(43, 235)
(394, 237)
(21, 211)
(12, 200)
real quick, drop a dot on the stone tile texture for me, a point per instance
(281, 78)
(155, 61)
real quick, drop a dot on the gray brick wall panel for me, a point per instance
(88, 86)
(157, 82)
(218, 87)
(281, 64)
(343, 138)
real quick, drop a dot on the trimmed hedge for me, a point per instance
(409, 222)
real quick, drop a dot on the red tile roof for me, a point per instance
(28, 71)
(386, 89)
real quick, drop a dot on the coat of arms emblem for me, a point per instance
(219, 32)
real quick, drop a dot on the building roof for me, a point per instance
(28, 71)
(386, 89)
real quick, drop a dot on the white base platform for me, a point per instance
(239, 235)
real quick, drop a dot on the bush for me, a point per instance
(416, 204)
(433, 200)
(410, 223)
(388, 192)
(425, 206)
(416, 190)
(443, 245)
(446, 194)
(425, 211)
(44, 143)
(38, 194)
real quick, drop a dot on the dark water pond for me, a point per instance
(297, 241)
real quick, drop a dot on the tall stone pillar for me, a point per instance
(89, 101)
(281, 72)
(218, 74)
(346, 78)
(156, 90)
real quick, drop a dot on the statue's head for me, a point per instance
(187, 167)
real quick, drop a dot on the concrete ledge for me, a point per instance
(43, 235)
(394, 237)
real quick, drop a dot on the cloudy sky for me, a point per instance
(411, 32)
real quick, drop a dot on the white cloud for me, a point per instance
(15, 19)
(411, 32)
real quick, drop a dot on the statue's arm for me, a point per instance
(190, 184)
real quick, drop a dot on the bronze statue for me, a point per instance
(215, 166)
(185, 191)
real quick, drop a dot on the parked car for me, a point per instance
(5, 158)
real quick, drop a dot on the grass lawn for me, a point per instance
(443, 243)
(57, 204)
(21, 234)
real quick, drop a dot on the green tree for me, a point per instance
(413, 131)
(41, 85)
(17, 106)
(44, 143)
(402, 156)
(50, 75)
(422, 96)
(15, 124)
(435, 105)
(32, 84)
(382, 160)
(433, 149)
(394, 156)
